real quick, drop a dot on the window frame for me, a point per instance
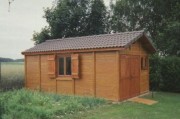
(64, 57)
(144, 63)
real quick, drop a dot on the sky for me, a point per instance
(18, 25)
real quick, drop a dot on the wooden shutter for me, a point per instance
(52, 66)
(75, 65)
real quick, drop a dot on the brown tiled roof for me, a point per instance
(88, 42)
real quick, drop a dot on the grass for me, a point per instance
(168, 107)
(25, 104)
(12, 75)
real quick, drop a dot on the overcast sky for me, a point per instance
(17, 26)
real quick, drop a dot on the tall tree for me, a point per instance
(97, 18)
(71, 18)
(40, 37)
(68, 18)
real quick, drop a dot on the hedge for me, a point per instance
(165, 73)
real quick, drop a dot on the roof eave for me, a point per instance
(75, 50)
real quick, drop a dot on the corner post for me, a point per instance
(118, 72)
(94, 73)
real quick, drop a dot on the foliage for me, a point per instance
(73, 18)
(10, 60)
(12, 75)
(170, 39)
(68, 18)
(43, 35)
(164, 73)
(25, 104)
(97, 19)
(155, 72)
(170, 72)
(5, 59)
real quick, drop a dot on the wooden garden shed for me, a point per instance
(111, 66)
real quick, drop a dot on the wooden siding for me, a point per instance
(33, 72)
(65, 87)
(106, 75)
(47, 84)
(84, 85)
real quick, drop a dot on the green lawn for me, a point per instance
(168, 107)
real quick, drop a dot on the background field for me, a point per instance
(12, 75)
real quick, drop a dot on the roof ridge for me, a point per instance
(100, 35)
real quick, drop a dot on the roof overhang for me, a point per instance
(146, 41)
(74, 51)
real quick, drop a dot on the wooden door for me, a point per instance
(130, 74)
(134, 62)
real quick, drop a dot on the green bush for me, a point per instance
(165, 73)
(170, 72)
(155, 72)
(25, 104)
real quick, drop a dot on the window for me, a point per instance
(144, 63)
(64, 65)
(68, 65)
(61, 66)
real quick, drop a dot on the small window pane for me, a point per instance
(61, 66)
(144, 63)
(68, 65)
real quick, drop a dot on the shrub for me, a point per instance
(155, 72)
(170, 72)
(25, 104)
(165, 73)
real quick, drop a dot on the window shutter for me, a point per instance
(75, 65)
(51, 66)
